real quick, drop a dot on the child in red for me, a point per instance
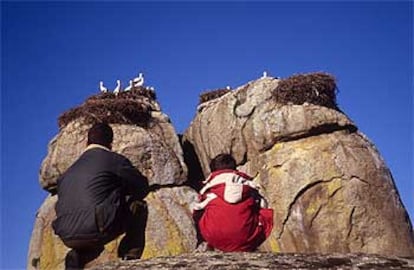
(231, 214)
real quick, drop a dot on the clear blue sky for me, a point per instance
(54, 54)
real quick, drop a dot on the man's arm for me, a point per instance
(53, 189)
(133, 181)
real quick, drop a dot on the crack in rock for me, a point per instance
(351, 225)
(301, 192)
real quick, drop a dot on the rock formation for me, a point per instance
(145, 135)
(141, 132)
(328, 185)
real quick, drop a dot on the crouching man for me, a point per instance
(231, 214)
(100, 197)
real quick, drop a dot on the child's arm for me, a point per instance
(201, 205)
(259, 198)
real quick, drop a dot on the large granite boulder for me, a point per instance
(143, 134)
(169, 231)
(328, 185)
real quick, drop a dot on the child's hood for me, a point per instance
(230, 185)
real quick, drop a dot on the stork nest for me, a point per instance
(316, 88)
(210, 95)
(134, 93)
(129, 107)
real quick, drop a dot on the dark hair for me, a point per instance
(222, 161)
(101, 133)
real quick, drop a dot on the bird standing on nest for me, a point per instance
(102, 87)
(139, 81)
(117, 88)
(130, 86)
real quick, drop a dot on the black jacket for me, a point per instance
(91, 192)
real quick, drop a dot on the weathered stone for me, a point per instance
(247, 121)
(328, 185)
(155, 150)
(263, 261)
(170, 231)
(333, 193)
(41, 240)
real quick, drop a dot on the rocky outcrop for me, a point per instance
(152, 146)
(263, 261)
(149, 140)
(328, 185)
(169, 231)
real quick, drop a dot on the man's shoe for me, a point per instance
(133, 254)
(73, 260)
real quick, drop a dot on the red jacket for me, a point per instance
(232, 219)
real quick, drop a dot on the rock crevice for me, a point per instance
(313, 164)
(329, 187)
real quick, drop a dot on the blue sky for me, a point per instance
(54, 54)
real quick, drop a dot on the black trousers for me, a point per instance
(131, 220)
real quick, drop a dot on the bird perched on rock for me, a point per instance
(118, 87)
(228, 87)
(129, 87)
(139, 81)
(264, 74)
(102, 87)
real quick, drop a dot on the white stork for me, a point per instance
(118, 87)
(102, 87)
(129, 87)
(139, 81)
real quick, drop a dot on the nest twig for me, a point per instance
(135, 93)
(316, 88)
(128, 107)
(210, 95)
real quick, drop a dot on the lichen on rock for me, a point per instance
(328, 185)
(153, 148)
(169, 231)
(330, 189)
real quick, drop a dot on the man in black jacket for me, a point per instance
(99, 197)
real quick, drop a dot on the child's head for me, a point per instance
(221, 162)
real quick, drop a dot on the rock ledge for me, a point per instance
(244, 260)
